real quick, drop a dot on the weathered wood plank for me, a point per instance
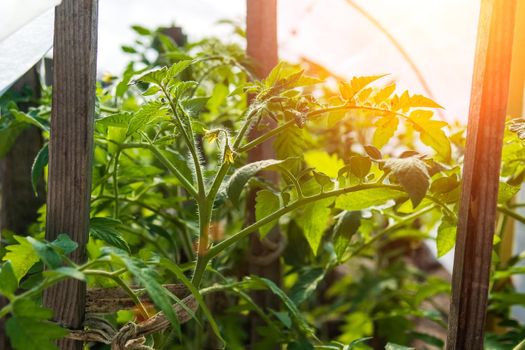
(18, 203)
(261, 32)
(71, 147)
(481, 171)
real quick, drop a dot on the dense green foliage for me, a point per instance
(364, 173)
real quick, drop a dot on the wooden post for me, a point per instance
(488, 105)
(261, 32)
(19, 204)
(71, 148)
(515, 109)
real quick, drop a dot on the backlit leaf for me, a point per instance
(324, 162)
(385, 129)
(22, 256)
(446, 238)
(431, 132)
(314, 222)
(266, 202)
(9, 282)
(412, 174)
(360, 166)
(347, 224)
(367, 198)
(238, 180)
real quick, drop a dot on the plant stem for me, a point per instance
(115, 185)
(503, 209)
(215, 250)
(191, 146)
(312, 114)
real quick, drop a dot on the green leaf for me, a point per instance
(25, 307)
(392, 346)
(42, 124)
(22, 256)
(258, 282)
(322, 179)
(266, 202)
(141, 30)
(356, 342)
(367, 198)
(360, 166)
(120, 120)
(46, 252)
(307, 282)
(444, 184)
(385, 129)
(348, 223)
(148, 278)
(37, 170)
(292, 142)
(506, 192)
(67, 272)
(64, 244)
(446, 238)
(323, 162)
(430, 132)
(194, 106)
(196, 294)
(149, 113)
(154, 76)
(240, 177)
(178, 68)
(9, 282)
(30, 333)
(106, 230)
(412, 174)
(314, 221)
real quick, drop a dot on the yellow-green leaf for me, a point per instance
(323, 162)
(385, 129)
(367, 198)
(430, 132)
(266, 202)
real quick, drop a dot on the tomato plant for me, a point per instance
(359, 167)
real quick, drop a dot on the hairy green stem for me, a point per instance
(191, 146)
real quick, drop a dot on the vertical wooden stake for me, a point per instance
(71, 148)
(488, 105)
(18, 203)
(261, 32)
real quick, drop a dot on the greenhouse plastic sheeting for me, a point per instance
(17, 13)
(23, 48)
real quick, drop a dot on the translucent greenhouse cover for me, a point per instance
(26, 34)
(347, 37)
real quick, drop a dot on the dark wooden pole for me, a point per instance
(261, 32)
(71, 147)
(19, 204)
(481, 172)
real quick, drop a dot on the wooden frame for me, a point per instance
(481, 172)
(71, 148)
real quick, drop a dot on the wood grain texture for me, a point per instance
(261, 33)
(71, 148)
(481, 171)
